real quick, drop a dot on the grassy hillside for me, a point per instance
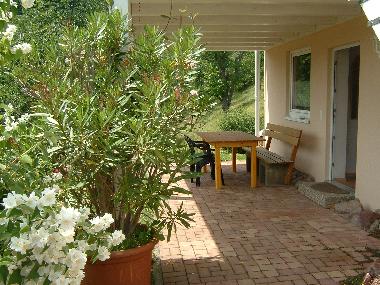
(242, 101)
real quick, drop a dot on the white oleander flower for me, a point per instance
(76, 259)
(117, 237)
(24, 118)
(67, 218)
(31, 201)
(103, 253)
(20, 244)
(50, 242)
(10, 32)
(27, 3)
(38, 238)
(6, 16)
(12, 200)
(12, 3)
(108, 219)
(101, 223)
(194, 93)
(56, 176)
(83, 245)
(58, 278)
(48, 198)
(24, 47)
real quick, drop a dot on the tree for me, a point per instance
(42, 26)
(223, 73)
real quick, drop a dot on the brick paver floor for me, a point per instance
(271, 235)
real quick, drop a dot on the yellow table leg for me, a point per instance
(234, 159)
(253, 166)
(218, 168)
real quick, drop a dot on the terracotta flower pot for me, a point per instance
(128, 267)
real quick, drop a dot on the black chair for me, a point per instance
(202, 159)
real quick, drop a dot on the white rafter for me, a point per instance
(243, 24)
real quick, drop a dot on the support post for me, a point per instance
(257, 92)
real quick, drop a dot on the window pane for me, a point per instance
(301, 82)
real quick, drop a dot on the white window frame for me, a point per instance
(302, 116)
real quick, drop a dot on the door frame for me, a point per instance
(332, 101)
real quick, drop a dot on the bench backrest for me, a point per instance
(288, 135)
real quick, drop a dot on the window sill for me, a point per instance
(298, 120)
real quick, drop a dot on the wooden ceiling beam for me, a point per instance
(230, 9)
(235, 20)
(227, 43)
(240, 40)
(256, 35)
(257, 29)
(235, 48)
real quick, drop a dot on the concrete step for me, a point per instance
(326, 194)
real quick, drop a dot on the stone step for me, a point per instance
(326, 194)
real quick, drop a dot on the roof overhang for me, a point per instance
(243, 24)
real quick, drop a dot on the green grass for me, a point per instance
(356, 280)
(241, 101)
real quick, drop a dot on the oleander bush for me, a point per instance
(110, 113)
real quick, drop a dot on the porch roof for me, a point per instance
(243, 24)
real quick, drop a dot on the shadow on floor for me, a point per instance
(270, 235)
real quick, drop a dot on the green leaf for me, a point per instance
(34, 272)
(3, 273)
(52, 120)
(25, 229)
(26, 159)
(4, 261)
(15, 277)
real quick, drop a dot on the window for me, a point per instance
(300, 85)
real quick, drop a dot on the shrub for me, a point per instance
(238, 120)
(111, 111)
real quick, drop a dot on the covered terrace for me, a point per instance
(270, 235)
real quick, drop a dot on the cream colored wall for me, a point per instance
(314, 153)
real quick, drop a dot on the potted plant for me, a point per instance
(110, 114)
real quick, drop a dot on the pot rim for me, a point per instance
(134, 251)
(131, 253)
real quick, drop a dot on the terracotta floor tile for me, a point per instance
(269, 235)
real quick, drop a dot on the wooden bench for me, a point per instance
(273, 168)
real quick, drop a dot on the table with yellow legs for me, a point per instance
(233, 139)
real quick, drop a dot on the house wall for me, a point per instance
(314, 153)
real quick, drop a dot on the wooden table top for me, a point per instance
(226, 137)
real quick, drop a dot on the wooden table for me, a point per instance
(233, 139)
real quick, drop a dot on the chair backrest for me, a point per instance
(190, 143)
(285, 134)
(201, 145)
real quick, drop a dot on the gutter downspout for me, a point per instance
(257, 93)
